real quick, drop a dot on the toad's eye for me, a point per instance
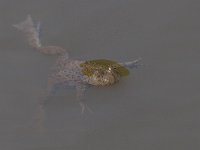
(114, 67)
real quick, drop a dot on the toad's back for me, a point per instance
(68, 71)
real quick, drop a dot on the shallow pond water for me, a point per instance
(156, 107)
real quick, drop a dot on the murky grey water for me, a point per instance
(156, 107)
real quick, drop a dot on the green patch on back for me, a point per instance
(102, 65)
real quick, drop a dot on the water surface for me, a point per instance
(156, 107)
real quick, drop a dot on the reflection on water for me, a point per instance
(156, 106)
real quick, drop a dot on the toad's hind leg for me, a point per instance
(32, 33)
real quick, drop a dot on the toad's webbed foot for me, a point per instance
(85, 107)
(32, 33)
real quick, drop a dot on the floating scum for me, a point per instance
(75, 73)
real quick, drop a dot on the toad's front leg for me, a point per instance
(80, 90)
(132, 64)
